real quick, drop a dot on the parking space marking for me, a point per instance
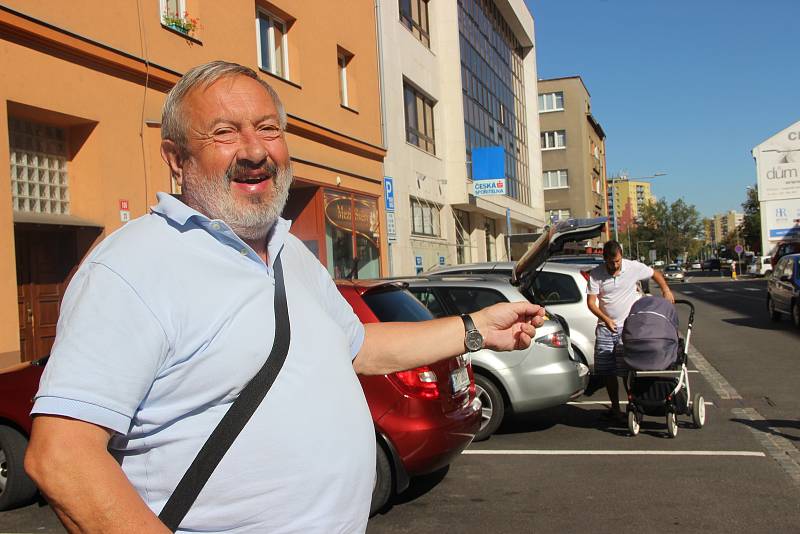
(536, 452)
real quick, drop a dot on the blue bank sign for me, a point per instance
(489, 171)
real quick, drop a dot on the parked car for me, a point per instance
(546, 374)
(760, 266)
(783, 289)
(712, 264)
(784, 248)
(423, 417)
(696, 265)
(674, 273)
(559, 287)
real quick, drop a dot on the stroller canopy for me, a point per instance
(650, 335)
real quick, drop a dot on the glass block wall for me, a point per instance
(38, 167)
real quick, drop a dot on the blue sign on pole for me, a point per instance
(441, 261)
(388, 192)
(488, 163)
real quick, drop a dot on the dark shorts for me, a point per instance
(608, 352)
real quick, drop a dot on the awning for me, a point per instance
(27, 217)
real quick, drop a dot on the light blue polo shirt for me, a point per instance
(163, 325)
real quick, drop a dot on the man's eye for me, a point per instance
(225, 135)
(270, 132)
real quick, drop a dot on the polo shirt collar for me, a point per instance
(172, 208)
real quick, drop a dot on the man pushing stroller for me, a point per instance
(612, 290)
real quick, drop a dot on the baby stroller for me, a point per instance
(657, 381)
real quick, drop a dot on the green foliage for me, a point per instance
(750, 228)
(674, 228)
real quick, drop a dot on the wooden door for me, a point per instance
(45, 259)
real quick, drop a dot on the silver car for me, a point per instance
(560, 287)
(546, 374)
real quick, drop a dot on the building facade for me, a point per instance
(629, 196)
(573, 146)
(466, 78)
(80, 128)
(722, 225)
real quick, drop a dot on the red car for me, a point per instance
(423, 417)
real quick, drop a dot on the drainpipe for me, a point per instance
(379, 44)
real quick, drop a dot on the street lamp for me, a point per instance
(614, 196)
(638, 257)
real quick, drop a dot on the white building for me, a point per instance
(458, 75)
(778, 171)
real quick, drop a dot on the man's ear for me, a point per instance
(173, 157)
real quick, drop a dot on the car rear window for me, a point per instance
(555, 288)
(396, 305)
(470, 299)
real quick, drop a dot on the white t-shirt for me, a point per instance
(616, 294)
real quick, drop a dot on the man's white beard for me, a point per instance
(250, 221)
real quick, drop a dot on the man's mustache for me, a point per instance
(243, 166)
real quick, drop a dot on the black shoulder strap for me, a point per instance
(235, 419)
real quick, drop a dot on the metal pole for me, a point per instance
(614, 204)
(508, 233)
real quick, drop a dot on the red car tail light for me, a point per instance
(585, 274)
(556, 339)
(419, 382)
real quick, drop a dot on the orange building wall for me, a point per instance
(88, 71)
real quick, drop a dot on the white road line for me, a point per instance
(686, 291)
(752, 289)
(512, 452)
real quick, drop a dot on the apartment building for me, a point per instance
(80, 128)
(457, 76)
(630, 196)
(573, 151)
(724, 224)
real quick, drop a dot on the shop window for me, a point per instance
(38, 167)
(352, 235)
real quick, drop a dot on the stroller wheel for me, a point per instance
(672, 424)
(699, 411)
(633, 423)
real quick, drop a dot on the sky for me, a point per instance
(686, 87)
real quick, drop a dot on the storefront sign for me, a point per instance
(783, 219)
(124, 212)
(778, 165)
(339, 212)
(488, 163)
(488, 187)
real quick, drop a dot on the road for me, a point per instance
(567, 470)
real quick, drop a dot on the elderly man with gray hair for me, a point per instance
(171, 316)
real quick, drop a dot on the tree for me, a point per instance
(750, 229)
(673, 227)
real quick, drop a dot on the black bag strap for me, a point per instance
(236, 417)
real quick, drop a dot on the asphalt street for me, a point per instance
(568, 470)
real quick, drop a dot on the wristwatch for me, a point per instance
(473, 340)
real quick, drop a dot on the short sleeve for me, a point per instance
(592, 286)
(645, 271)
(108, 350)
(342, 312)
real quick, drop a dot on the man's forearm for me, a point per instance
(595, 309)
(662, 282)
(390, 347)
(83, 483)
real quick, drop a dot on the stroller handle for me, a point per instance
(691, 310)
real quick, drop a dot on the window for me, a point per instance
(419, 119)
(554, 139)
(273, 54)
(38, 167)
(551, 102)
(555, 179)
(352, 235)
(470, 300)
(554, 288)
(462, 236)
(424, 218)
(343, 60)
(414, 16)
(558, 215)
(172, 8)
(431, 301)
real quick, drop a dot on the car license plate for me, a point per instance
(459, 379)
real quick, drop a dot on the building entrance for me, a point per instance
(46, 259)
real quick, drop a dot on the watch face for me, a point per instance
(473, 340)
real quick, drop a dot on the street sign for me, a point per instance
(482, 188)
(388, 192)
(441, 261)
(739, 249)
(418, 264)
(391, 227)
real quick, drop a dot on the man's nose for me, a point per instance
(251, 147)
